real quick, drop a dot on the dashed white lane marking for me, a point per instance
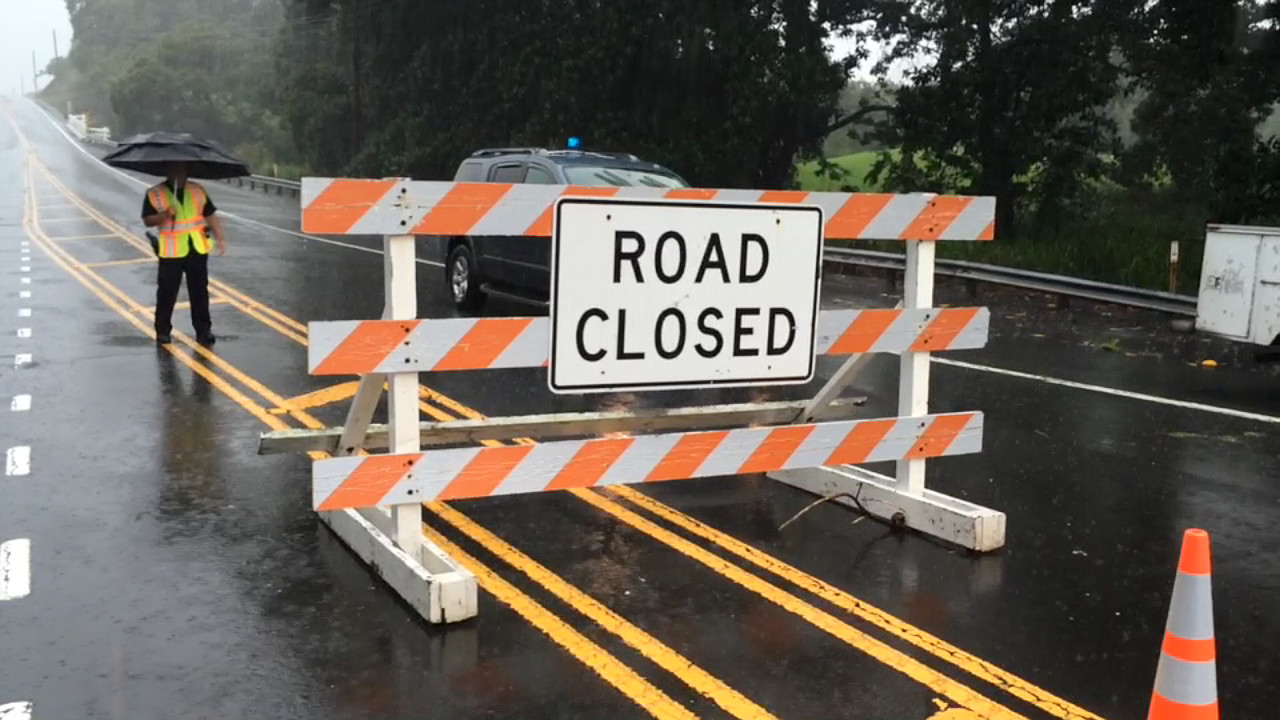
(25, 268)
(26, 243)
(20, 403)
(15, 571)
(1230, 412)
(25, 294)
(24, 312)
(17, 461)
(16, 711)
(26, 281)
(21, 359)
(24, 332)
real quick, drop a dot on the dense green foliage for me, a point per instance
(727, 91)
(1106, 128)
(140, 65)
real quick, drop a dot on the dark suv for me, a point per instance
(520, 267)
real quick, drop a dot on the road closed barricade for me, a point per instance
(651, 289)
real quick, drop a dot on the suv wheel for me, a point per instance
(460, 274)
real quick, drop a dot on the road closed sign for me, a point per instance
(661, 294)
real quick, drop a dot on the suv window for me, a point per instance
(507, 174)
(618, 177)
(470, 172)
(540, 176)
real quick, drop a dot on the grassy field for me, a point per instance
(857, 165)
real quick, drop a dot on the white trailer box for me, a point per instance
(1240, 284)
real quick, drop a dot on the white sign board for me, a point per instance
(662, 294)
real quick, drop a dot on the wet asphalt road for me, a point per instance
(175, 572)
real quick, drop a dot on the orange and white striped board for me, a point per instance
(358, 347)
(343, 206)
(471, 472)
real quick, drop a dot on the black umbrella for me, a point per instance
(153, 153)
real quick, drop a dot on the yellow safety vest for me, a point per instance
(188, 228)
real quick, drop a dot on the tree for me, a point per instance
(1003, 97)
(139, 65)
(725, 91)
(1211, 73)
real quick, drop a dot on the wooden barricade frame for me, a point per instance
(372, 501)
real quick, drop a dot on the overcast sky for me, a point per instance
(27, 25)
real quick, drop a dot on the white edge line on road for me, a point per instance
(247, 221)
(20, 403)
(17, 461)
(943, 361)
(1230, 412)
(21, 359)
(15, 573)
(16, 711)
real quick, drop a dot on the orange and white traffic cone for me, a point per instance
(1186, 685)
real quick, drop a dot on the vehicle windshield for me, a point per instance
(619, 177)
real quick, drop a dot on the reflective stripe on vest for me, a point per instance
(188, 227)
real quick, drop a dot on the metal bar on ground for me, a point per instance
(556, 425)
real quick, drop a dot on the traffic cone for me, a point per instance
(1186, 686)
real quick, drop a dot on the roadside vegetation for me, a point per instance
(1106, 128)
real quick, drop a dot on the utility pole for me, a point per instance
(35, 74)
(55, 42)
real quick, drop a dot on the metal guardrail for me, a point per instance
(267, 184)
(1027, 279)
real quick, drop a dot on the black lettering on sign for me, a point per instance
(710, 332)
(740, 332)
(582, 342)
(622, 338)
(717, 263)
(749, 239)
(658, 333)
(632, 255)
(659, 255)
(772, 347)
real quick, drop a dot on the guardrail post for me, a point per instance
(913, 385)
(401, 291)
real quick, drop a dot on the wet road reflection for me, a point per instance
(215, 589)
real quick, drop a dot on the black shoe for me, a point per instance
(163, 339)
(208, 339)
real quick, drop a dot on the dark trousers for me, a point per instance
(169, 280)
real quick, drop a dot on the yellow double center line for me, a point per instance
(652, 648)
(624, 678)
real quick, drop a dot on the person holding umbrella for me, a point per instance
(184, 216)
(185, 219)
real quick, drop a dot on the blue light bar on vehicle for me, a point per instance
(574, 143)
